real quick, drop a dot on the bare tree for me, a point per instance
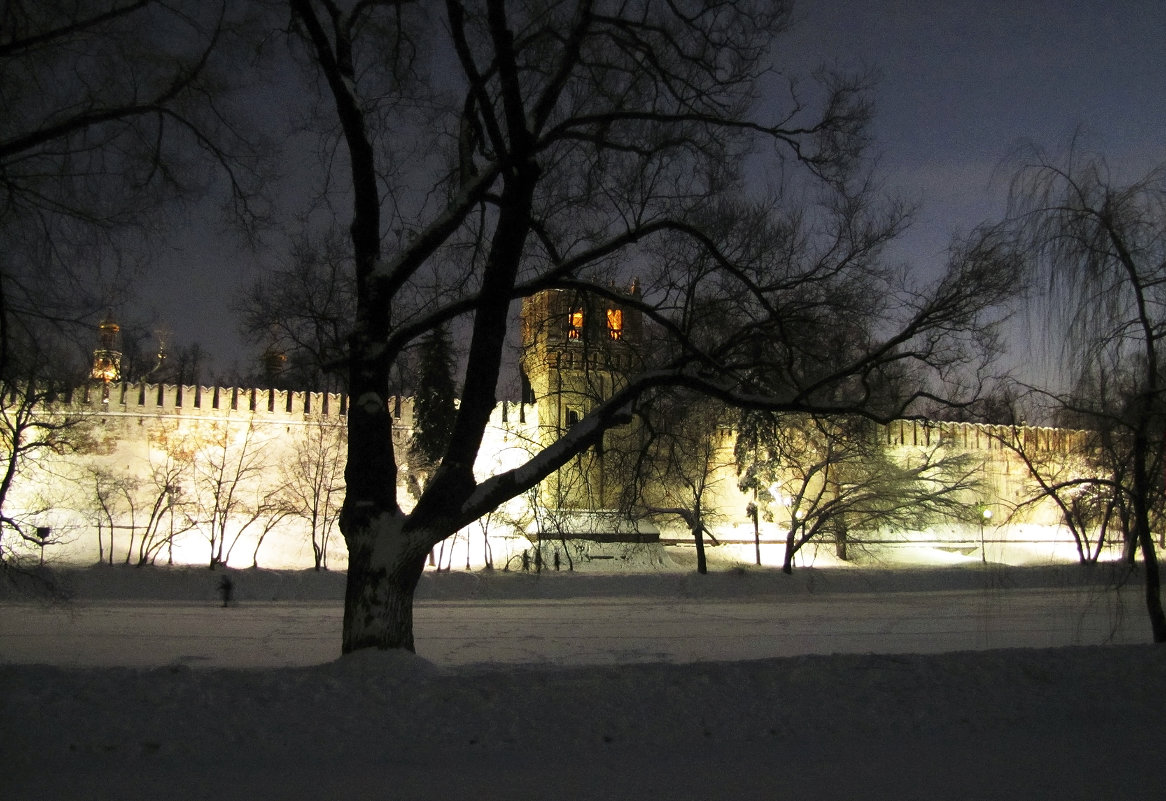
(146, 510)
(273, 512)
(153, 509)
(32, 428)
(106, 109)
(167, 515)
(483, 524)
(1100, 249)
(228, 461)
(571, 139)
(259, 514)
(684, 455)
(303, 312)
(108, 500)
(314, 483)
(553, 511)
(830, 476)
(169, 492)
(1078, 476)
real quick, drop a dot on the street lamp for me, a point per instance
(985, 518)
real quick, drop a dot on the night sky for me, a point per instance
(961, 84)
(964, 81)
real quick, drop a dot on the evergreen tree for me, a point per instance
(435, 401)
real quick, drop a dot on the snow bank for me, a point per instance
(1063, 723)
(1002, 724)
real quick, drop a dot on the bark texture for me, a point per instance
(378, 601)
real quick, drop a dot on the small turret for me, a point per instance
(107, 355)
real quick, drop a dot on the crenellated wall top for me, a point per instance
(980, 436)
(146, 399)
(277, 404)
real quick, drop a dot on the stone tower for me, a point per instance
(577, 349)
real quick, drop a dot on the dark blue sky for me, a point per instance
(962, 82)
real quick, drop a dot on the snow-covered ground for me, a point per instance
(590, 686)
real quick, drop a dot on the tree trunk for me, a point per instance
(1129, 545)
(567, 552)
(383, 572)
(698, 537)
(1145, 537)
(841, 538)
(1153, 587)
(787, 565)
(753, 512)
(1153, 581)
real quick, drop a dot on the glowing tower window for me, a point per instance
(615, 323)
(575, 324)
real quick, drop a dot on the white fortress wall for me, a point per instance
(137, 428)
(140, 430)
(1034, 528)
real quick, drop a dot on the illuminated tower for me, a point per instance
(107, 356)
(577, 349)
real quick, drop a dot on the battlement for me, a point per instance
(980, 436)
(277, 404)
(144, 399)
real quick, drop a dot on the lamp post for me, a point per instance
(42, 538)
(985, 518)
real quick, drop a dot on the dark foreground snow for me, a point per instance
(1082, 722)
